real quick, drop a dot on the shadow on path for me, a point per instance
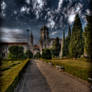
(33, 80)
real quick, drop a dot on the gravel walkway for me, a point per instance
(42, 77)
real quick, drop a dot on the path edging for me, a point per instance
(17, 78)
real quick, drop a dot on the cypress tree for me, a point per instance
(69, 33)
(67, 41)
(64, 45)
(76, 42)
(88, 38)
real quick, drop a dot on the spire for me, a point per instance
(31, 34)
(31, 38)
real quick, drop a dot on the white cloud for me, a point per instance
(60, 4)
(71, 18)
(53, 33)
(38, 4)
(88, 11)
(27, 1)
(37, 15)
(24, 9)
(51, 23)
(77, 9)
(8, 30)
(3, 14)
(3, 5)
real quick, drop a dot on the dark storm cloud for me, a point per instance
(20, 10)
(32, 14)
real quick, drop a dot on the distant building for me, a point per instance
(45, 40)
(36, 49)
(52, 41)
(5, 45)
(27, 44)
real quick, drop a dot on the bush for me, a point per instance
(16, 52)
(37, 55)
(46, 54)
(29, 54)
(55, 50)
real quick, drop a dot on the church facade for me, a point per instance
(45, 40)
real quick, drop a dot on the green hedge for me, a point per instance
(11, 76)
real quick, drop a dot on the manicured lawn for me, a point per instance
(9, 74)
(6, 64)
(76, 67)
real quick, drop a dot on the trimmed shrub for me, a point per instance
(29, 54)
(37, 55)
(46, 54)
(55, 50)
(16, 52)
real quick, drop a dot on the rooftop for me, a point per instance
(13, 43)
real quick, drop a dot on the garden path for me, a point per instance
(42, 77)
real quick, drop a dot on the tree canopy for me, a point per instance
(46, 54)
(56, 47)
(16, 52)
(88, 38)
(76, 46)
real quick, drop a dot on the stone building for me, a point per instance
(19, 40)
(45, 40)
(52, 41)
(5, 45)
(36, 49)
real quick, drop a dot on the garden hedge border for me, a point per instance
(17, 78)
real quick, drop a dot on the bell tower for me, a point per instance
(44, 38)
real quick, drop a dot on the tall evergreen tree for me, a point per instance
(64, 45)
(67, 41)
(61, 47)
(76, 47)
(88, 38)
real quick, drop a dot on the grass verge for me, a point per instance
(77, 67)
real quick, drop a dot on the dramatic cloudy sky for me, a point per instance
(19, 15)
